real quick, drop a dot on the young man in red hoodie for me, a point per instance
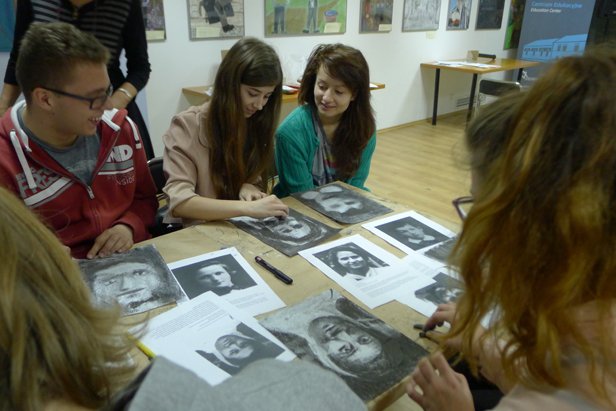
(73, 159)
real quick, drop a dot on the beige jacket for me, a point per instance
(186, 158)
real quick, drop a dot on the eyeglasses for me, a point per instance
(463, 205)
(96, 103)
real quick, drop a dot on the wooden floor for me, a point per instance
(423, 166)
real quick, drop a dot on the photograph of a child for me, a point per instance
(341, 204)
(237, 347)
(331, 331)
(351, 261)
(446, 289)
(137, 280)
(222, 275)
(289, 235)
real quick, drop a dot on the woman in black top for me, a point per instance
(118, 24)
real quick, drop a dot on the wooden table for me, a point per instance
(501, 65)
(308, 280)
(199, 93)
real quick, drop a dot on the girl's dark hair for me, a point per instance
(357, 124)
(242, 150)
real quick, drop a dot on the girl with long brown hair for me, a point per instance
(219, 156)
(332, 135)
(538, 247)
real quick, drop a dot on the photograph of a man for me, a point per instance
(412, 233)
(290, 235)
(341, 204)
(222, 275)
(139, 280)
(446, 289)
(238, 347)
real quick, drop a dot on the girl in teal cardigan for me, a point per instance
(331, 136)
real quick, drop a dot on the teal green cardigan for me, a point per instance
(296, 146)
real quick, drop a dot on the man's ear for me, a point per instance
(43, 99)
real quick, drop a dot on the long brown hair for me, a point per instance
(242, 150)
(357, 124)
(54, 345)
(540, 241)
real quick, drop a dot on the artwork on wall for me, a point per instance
(421, 15)
(213, 19)
(7, 24)
(514, 24)
(375, 16)
(458, 14)
(304, 17)
(154, 19)
(490, 14)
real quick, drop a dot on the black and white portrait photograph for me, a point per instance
(138, 280)
(351, 261)
(373, 275)
(331, 331)
(289, 235)
(410, 231)
(221, 275)
(227, 274)
(441, 252)
(446, 289)
(238, 346)
(342, 204)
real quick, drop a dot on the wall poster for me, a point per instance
(304, 17)
(490, 14)
(514, 24)
(214, 19)
(421, 15)
(154, 19)
(7, 24)
(458, 14)
(375, 16)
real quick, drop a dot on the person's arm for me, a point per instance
(137, 62)
(180, 165)
(140, 215)
(294, 157)
(361, 175)
(11, 90)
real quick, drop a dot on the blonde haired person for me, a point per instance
(539, 244)
(58, 352)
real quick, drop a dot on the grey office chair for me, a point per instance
(496, 88)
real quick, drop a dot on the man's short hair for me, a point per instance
(49, 52)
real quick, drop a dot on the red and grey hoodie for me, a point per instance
(122, 190)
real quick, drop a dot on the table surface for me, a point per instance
(307, 280)
(200, 91)
(502, 63)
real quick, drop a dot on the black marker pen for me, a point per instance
(277, 273)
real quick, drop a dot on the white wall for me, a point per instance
(393, 57)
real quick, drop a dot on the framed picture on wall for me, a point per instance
(421, 15)
(490, 14)
(214, 19)
(7, 24)
(154, 19)
(304, 17)
(375, 16)
(458, 14)
(514, 24)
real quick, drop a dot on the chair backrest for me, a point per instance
(496, 88)
(156, 169)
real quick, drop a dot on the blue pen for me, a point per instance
(277, 273)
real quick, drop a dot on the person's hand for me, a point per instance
(249, 192)
(444, 313)
(116, 239)
(442, 388)
(269, 206)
